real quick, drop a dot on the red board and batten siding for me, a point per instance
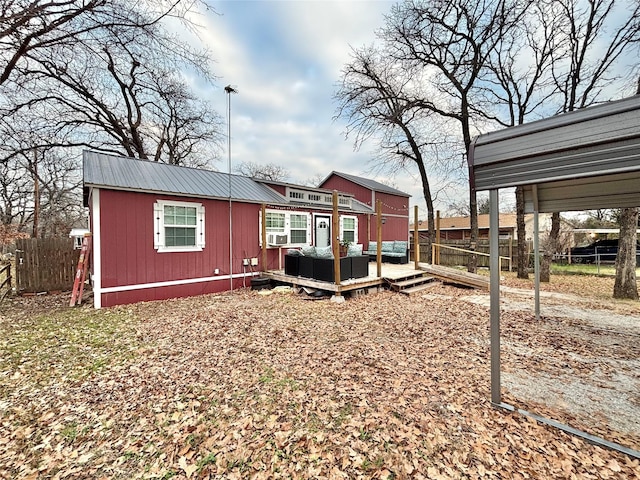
(343, 185)
(395, 208)
(396, 215)
(129, 258)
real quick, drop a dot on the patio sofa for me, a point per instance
(394, 251)
(318, 264)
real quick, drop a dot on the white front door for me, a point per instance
(322, 231)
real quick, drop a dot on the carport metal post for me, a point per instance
(494, 295)
(536, 250)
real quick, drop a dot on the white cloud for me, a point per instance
(285, 60)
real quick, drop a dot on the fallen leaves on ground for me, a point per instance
(244, 386)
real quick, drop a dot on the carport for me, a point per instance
(582, 160)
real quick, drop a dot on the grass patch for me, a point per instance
(606, 270)
(65, 344)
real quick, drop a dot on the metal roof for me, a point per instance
(368, 183)
(581, 160)
(123, 173)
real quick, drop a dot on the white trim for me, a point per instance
(355, 227)
(97, 252)
(286, 230)
(171, 283)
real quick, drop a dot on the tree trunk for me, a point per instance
(523, 258)
(550, 248)
(36, 196)
(625, 285)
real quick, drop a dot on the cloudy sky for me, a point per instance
(285, 58)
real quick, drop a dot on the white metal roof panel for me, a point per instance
(582, 160)
(604, 139)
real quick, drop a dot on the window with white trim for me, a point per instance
(296, 225)
(275, 222)
(178, 226)
(349, 229)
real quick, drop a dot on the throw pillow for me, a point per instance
(354, 250)
(324, 252)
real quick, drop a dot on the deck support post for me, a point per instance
(436, 260)
(336, 241)
(263, 213)
(416, 239)
(379, 237)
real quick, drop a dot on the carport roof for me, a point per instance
(581, 160)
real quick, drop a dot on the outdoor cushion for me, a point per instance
(387, 246)
(308, 250)
(400, 246)
(354, 250)
(324, 252)
(373, 247)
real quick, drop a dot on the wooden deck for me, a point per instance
(390, 272)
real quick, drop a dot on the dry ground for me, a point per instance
(384, 386)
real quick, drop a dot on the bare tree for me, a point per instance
(519, 82)
(267, 171)
(103, 74)
(453, 41)
(596, 35)
(625, 285)
(40, 192)
(33, 30)
(104, 97)
(382, 100)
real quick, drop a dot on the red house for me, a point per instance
(394, 203)
(163, 231)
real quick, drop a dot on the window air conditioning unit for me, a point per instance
(274, 239)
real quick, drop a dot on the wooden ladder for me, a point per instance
(81, 271)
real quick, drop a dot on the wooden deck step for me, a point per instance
(420, 288)
(411, 280)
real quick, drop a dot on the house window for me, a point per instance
(314, 197)
(178, 226)
(297, 195)
(349, 229)
(298, 227)
(275, 222)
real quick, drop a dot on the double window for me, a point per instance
(178, 226)
(295, 225)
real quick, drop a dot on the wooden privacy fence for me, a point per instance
(45, 264)
(453, 257)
